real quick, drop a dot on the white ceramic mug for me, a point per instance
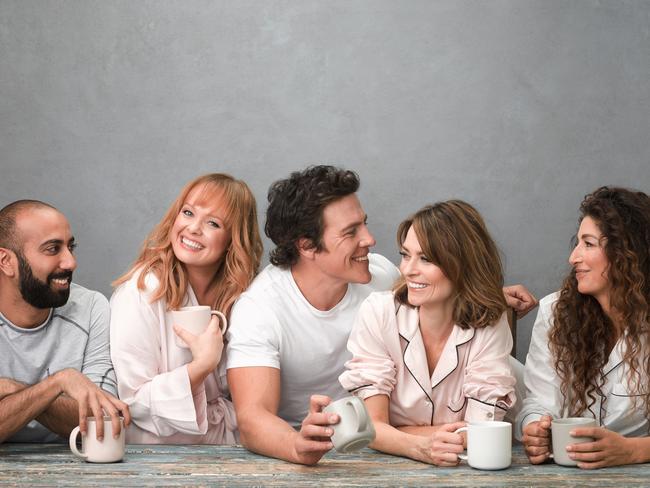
(195, 319)
(355, 430)
(561, 438)
(489, 445)
(108, 450)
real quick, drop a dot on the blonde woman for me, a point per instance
(205, 251)
(433, 352)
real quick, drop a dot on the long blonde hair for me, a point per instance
(454, 237)
(235, 271)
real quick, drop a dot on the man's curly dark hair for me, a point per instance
(296, 207)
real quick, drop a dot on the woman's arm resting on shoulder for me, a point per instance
(608, 448)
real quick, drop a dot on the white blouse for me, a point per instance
(152, 375)
(472, 380)
(620, 409)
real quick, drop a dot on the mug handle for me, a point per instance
(223, 322)
(73, 444)
(360, 411)
(458, 431)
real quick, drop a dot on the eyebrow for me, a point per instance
(354, 225)
(410, 251)
(215, 216)
(582, 236)
(56, 241)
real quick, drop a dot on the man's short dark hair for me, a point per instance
(9, 238)
(296, 207)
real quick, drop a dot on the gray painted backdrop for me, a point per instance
(519, 107)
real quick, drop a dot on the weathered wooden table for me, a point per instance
(54, 465)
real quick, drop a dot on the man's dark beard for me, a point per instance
(40, 294)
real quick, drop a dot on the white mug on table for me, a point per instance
(489, 445)
(108, 450)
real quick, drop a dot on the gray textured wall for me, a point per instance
(520, 107)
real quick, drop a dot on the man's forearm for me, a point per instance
(267, 434)
(9, 387)
(19, 408)
(61, 416)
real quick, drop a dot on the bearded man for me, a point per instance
(55, 366)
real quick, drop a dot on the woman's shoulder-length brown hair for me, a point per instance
(453, 236)
(235, 271)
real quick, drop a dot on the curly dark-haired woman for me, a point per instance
(589, 354)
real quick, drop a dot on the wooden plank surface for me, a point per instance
(54, 465)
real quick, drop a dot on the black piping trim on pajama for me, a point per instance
(457, 360)
(488, 403)
(602, 411)
(461, 407)
(408, 343)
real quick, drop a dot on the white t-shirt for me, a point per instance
(273, 325)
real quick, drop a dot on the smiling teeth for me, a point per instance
(192, 244)
(60, 281)
(416, 285)
(361, 258)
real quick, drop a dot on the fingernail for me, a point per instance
(329, 431)
(333, 418)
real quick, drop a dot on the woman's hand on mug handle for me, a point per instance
(206, 349)
(537, 440)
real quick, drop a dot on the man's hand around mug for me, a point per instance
(537, 440)
(91, 398)
(313, 439)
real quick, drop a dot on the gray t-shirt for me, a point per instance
(75, 335)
